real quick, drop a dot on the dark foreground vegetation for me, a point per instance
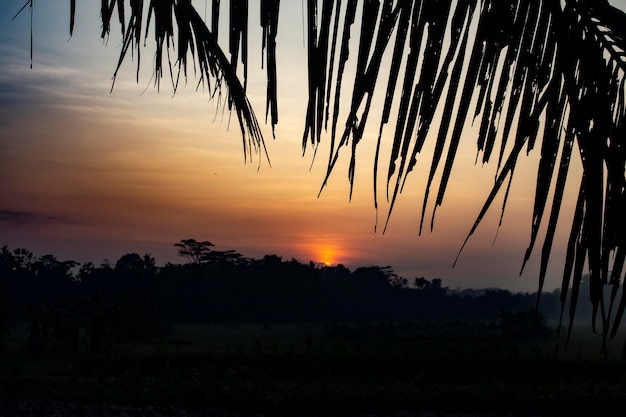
(267, 336)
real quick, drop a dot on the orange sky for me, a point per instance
(88, 175)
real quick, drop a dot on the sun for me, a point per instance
(327, 255)
(324, 251)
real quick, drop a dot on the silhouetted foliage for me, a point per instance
(130, 264)
(193, 250)
(137, 299)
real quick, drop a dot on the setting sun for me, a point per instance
(327, 255)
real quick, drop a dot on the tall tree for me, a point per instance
(195, 251)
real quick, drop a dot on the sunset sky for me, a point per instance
(88, 174)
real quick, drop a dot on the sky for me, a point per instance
(90, 174)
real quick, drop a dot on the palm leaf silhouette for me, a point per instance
(527, 71)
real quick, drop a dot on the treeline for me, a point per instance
(135, 298)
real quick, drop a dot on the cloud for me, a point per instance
(26, 218)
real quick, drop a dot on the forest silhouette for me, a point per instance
(134, 298)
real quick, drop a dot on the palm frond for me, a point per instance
(561, 70)
(176, 22)
(269, 23)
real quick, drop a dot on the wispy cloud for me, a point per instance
(27, 217)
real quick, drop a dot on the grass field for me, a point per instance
(297, 369)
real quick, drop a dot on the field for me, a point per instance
(329, 369)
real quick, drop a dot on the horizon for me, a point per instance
(110, 263)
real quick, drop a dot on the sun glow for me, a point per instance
(327, 255)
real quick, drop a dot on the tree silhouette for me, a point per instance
(194, 250)
(130, 264)
(546, 70)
